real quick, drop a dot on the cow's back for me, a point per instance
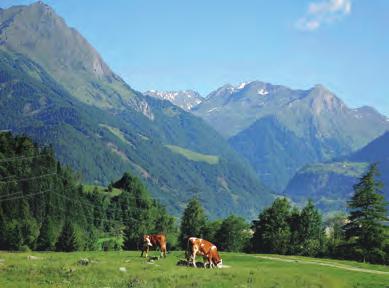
(158, 239)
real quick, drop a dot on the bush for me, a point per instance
(24, 248)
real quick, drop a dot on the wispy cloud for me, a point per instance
(324, 12)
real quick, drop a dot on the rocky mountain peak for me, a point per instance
(185, 99)
(322, 99)
(37, 32)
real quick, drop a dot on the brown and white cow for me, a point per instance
(197, 246)
(156, 240)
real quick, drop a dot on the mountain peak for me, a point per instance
(323, 99)
(37, 32)
(185, 99)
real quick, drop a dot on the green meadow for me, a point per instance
(127, 269)
(194, 156)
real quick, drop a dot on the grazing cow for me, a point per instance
(206, 249)
(157, 240)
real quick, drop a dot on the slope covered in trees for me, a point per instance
(330, 184)
(100, 126)
(44, 207)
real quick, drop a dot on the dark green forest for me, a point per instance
(43, 206)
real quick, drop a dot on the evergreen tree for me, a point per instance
(233, 234)
(365, 229)
(46, 239)
(334, 233)
(272, 231)
(210, 230)
(68, 240)
(295, 246)
(13, 236)
(2, 229)
(311, 233)
(193, 222)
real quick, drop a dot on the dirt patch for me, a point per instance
(340, 266)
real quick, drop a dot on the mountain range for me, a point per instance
(280, 130)
(57, 89)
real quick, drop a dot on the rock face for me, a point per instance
(279, 130)
(185, 99)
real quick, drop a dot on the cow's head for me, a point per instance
(146, 240)
(219, 264)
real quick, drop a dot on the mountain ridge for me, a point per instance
(315, 118)
(185, 99)
(105, 128)
(330, 184)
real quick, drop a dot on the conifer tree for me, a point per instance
(233, 234)
(367, 212)
(193, 222)
(67, 241)
(272, 231)
(311, 231)
(46, 239)
(295, 246)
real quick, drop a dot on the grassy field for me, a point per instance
(102, 190)
(194, 156)
(63, 270)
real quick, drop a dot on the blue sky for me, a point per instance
(203, 44)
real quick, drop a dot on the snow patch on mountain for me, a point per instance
(185, 99)
(262, 92)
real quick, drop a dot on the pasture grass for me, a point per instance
(194, 156)
(53, 269)
(89, 188)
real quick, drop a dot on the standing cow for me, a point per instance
(156, 240)
(204, 248)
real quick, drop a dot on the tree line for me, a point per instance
(363, 235)
(43, 207)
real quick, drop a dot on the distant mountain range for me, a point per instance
(185, 99)
(57, 89)
(330, 184)
(279, 130)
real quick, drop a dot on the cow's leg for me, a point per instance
(206, 261)
(143, 250)
(163, 251)
(210, 263)
(194, 258)
(147, 250)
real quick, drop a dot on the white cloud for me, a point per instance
(323, 12)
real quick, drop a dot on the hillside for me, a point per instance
(38, 33)
(41, 202)
(104, 128)
(279, 130)
(330, 184)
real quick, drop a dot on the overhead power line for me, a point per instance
(27, 179)
(22, 158)
(24, 196)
